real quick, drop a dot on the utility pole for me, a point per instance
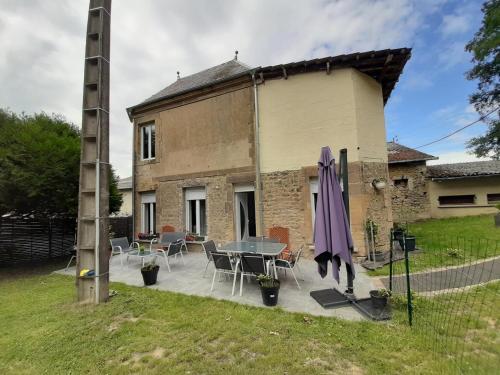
(93, 197)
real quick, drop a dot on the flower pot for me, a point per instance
(409, 243)
(270, 294)
(378, 301)
(379, 256)
(150, 275)
(497, 220)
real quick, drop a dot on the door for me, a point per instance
(241, 212)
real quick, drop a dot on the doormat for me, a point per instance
(329, 298)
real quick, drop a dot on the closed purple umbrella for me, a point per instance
(332, 235)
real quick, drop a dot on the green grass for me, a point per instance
(42, 330)
(450, 242)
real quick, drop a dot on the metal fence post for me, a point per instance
(408, 286)
(391, 258)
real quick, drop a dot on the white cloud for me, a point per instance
(41, 65)
(454, 157)
(454, 24)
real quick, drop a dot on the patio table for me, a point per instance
(271, 249)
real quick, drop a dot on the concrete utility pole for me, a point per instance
(93, 198)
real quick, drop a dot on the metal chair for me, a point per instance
(172, 249)
(209, 247)
(224, 265)
(170, 237)
(285, 264)
(121, 246)
(73, 256)
(252, 265)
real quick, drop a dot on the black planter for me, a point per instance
(150, 275)
(410, 243)
(379, 256)
(378, 301)
(497, 220)
(270, 295)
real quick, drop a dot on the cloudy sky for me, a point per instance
(41, 64)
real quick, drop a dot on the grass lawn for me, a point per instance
(141, 330)
(450, 242)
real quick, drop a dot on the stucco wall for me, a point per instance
(480, 186)
(213, 134)
(126, 208)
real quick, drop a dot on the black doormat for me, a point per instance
(329, 298)
(365, 306)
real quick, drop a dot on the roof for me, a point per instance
(401, 154)
(464, 170)
(212, 75)
(125, 183)
(385, 66)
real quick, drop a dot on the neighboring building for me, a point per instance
(408, 172)
(464, 188)
(232, 151)
(125, 187)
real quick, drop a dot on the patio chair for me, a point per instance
(224, 265)
(121, 246)
(172, 249)
(252, 265)
(209, 247)
(290, 264)
(170, 237)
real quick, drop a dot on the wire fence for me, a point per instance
(448, 290)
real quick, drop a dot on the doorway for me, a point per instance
(244, 212)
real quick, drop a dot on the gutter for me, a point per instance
(462, 177)
(258, 188)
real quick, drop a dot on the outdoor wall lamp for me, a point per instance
(378, 184)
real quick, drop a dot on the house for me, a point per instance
(231, 151)
(420, 191)
(408, 182)
(125, 187)
(462, 189)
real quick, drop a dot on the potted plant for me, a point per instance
(497, 216)
(399, 231)
(269, 287)
(409, 242)
(150, 272)
(379, 297)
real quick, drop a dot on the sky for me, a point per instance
(43, 42)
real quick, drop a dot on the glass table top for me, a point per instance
(258, 247)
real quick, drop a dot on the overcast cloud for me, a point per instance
(41, 65)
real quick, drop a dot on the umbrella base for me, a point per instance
(332, 298)
(329, 298)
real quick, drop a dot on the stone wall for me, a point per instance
(410, 201)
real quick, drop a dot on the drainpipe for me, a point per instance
(258, 183)
(133, 180)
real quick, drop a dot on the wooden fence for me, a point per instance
(33, 239)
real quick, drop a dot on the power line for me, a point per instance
(459, 130)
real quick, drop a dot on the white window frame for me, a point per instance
(313, 187)
(149, 129)
(196, 194)
(148, 199)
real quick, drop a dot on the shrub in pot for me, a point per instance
(379, 297)
(269, 288)
(150, 272)
(399, 231)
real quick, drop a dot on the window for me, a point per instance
(196, 218)
(401, 182)
(148, 212)
(493, 198)
(313, 187)
(148, 137)
(456, 200)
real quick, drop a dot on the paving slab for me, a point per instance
(188, 279)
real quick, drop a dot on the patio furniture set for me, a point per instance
(251, 258)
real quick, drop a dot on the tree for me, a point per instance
(40, 165)
(485, 48)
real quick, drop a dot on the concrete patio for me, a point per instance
(188, 279)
